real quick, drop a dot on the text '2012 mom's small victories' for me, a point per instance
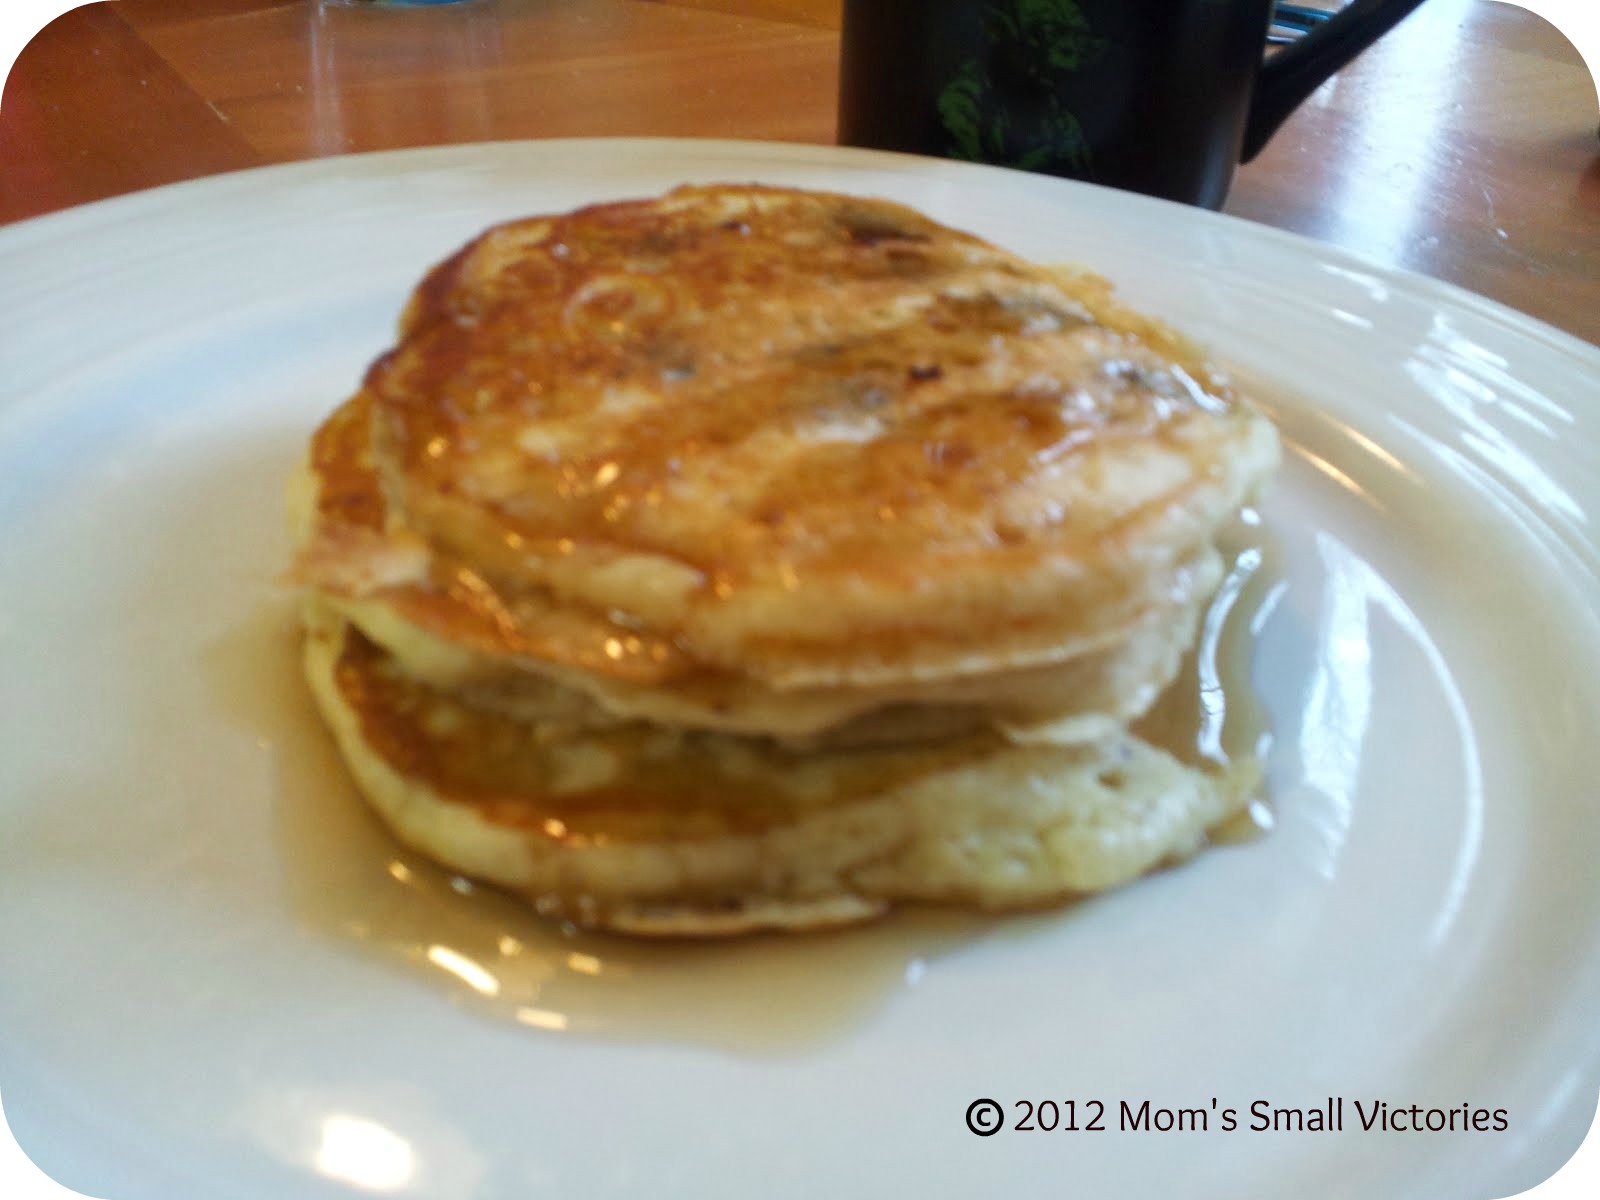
(1334, 1115)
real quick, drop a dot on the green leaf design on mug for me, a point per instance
(1037, 43)
(960, 108)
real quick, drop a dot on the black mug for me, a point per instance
(1157, 96)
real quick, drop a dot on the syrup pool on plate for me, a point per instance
(1210, 716)
(348, 879)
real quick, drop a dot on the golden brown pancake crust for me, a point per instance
(351, 524)
(787, 432)
(521, 652)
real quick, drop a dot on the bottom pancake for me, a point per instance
(646, 830)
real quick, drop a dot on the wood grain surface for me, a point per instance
(1463, 145)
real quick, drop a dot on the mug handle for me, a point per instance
(1296, 71)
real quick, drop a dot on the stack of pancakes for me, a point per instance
(750, 557)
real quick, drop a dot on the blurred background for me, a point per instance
(1462, 145)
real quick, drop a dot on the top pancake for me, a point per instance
(802, 435)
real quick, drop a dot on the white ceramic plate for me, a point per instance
(218, 980)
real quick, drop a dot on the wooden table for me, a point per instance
(1463, 146)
